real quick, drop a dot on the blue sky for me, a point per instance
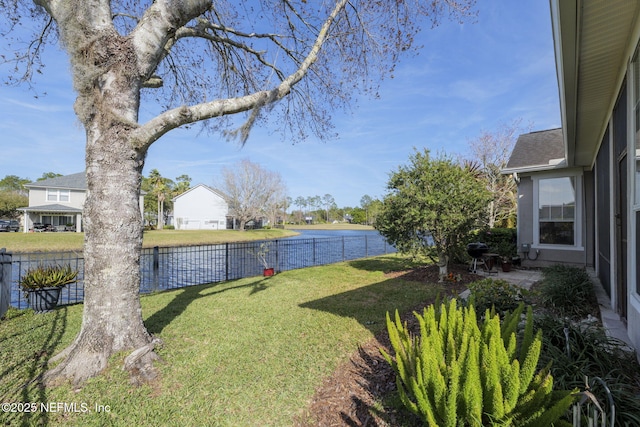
(468, 78)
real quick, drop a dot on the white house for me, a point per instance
(58, 202)
(200, 208)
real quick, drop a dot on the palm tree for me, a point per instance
(159, 187)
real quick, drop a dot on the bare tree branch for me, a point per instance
(145, 135)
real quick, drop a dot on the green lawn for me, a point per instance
(249, 352)
(52, 242)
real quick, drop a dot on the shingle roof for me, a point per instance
(537, 151)
(57, 208)
(213, 190)
(75, 181)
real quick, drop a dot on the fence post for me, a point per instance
(226, 262)
(156, 267)
(277, 268)
(314, 251)
(5, 281)
(366, 245)
(343, 258)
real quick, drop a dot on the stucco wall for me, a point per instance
(542, 255)
(200, 209)
(38, 197)
(525, 212)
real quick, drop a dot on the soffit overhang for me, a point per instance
(593, 41)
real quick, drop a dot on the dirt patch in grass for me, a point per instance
(351, 395)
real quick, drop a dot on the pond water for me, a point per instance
(176, 267)
(317, 234)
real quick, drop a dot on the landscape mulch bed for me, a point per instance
(351, 395)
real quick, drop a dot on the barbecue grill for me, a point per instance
(476, 250)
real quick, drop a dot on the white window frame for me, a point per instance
(578, 222)
(55, 195)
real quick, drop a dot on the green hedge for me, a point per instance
(502, 241)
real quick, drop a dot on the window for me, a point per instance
(557, 211)
(54, 195)
(56, 220)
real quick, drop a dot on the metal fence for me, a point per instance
(177, 267)
(5, 281)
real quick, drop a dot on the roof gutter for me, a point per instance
(565, 25)
(535, 168)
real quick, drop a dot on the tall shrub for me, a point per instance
(432, 205)
(456, 373)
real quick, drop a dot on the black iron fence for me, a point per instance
(177, 267)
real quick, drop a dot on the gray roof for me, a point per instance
(56, 208)
(76, 181)
(539, 150)
(213, 190)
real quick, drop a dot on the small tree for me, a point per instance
(183, 183)
(490, 152)
(432, 205)
(328, 202)
(14, 183)
(158, 188)
(314, 204)
(49, 175)
(365, 202)
(251, 191)
(358, 216)
(301, 203)
(13, 194)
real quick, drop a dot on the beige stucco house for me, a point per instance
(58, 203)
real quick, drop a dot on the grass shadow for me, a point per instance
(369, 304)
(30, 361)
(386, 263)
(185, 296)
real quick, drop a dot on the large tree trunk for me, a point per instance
(112, 317)
(443, 264)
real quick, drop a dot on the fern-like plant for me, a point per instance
(47, 276)
(456, 373)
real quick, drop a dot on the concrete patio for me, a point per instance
(522, 278)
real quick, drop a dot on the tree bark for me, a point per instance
(112, 318)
